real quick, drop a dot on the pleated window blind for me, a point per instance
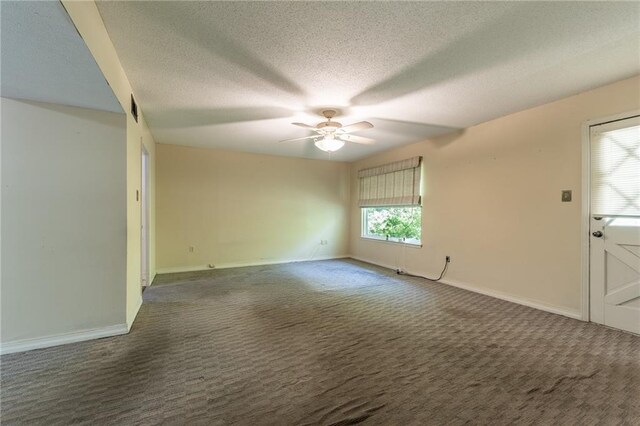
(393, 184)
(615, 168)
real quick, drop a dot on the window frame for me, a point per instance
(392, 240)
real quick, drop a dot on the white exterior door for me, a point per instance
(615, 273)
(615, 225)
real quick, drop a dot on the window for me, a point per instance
(615, 168)
(398, 224)
(390, 201)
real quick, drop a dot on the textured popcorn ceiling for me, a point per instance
(234, 75)
(45, 59)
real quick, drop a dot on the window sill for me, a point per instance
(384, 240)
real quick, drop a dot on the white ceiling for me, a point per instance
(45, 59)
(234, 75)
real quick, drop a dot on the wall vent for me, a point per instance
(134, 109)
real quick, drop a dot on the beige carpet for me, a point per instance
(331, 343)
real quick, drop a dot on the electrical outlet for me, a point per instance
(448, 259)
(192, 249)
(323, 242)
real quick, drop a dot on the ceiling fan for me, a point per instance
(331, 135)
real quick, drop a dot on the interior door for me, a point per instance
(615, 225)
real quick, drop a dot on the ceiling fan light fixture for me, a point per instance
(331, 136)
(329, 144)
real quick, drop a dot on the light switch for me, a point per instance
(566, 196)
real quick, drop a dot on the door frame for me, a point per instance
(144, 217)
(586, 203)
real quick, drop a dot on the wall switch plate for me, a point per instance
(566, 196)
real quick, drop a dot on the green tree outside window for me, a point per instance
(394, 222)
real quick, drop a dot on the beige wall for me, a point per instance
(238, 209)
(88, 21)
(492, 202)
(63, 223)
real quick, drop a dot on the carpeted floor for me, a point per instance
(332, 343)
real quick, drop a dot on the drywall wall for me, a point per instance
(237, 208)
(137, 135)
(63, 221)
(89, 24)
(491, 200)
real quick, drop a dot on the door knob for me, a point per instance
(597, 234)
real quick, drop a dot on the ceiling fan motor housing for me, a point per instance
(329, 114)
(333, 124)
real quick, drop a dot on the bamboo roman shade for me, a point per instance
(393, 184)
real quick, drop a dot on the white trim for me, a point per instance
(515, 299)
(585, 218)
(384, 265)
(585, 222)
(241, 264)
(497, 294)
(62, 339)
(145, 217)
(135, 315)
(615, 117)
(384, 240)
(178, 269)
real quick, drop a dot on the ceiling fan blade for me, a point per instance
(356, 126)
(357, 139)
(306, 126)
(299, 139)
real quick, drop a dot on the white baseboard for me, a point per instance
(178, 269)
(497, 294)
(243, 264)
(515, 299)
(384, 265)
(62, 339)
